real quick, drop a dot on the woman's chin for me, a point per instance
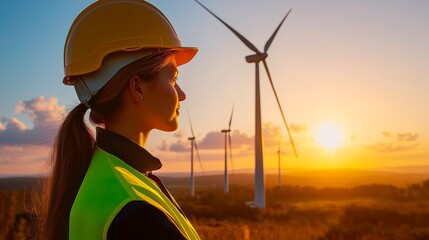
(170, 127)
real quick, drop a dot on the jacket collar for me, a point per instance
(126, 150)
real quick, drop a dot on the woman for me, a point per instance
(122, 59)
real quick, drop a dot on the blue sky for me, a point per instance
(361, 65)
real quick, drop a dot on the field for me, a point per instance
(372, 211)
(293, 212)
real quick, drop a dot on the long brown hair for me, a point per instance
(74, 145)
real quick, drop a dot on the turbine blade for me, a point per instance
(268, 44)
(230, 153)
(230, 119)
(190, 123)
(280, 107)
(198, 156)
(243, 39)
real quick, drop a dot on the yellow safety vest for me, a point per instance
(108, 186)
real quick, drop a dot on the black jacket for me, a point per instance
(137, 219)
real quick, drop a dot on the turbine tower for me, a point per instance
(279, 153)
(257, 58)
(227, 133)
(193, 144)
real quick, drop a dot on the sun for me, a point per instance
(329, 136)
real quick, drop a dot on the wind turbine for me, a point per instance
(257, 58)
(227, 133)
(279, 153)
(193, 144)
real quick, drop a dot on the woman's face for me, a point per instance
(161, 97)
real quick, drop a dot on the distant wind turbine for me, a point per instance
(257, 58)
(193, 144)
(279, 153)
(227, 133)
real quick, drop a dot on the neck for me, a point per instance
(137, 136)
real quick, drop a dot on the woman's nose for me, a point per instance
(180, 93)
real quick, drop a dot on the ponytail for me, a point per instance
(71, 156)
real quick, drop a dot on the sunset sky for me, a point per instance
(352, 77)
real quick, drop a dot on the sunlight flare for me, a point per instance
(329, 136)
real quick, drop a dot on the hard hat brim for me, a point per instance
(185, 55)
(182, 55)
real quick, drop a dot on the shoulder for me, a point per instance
(141, 220)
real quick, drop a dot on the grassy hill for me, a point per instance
(296, 210)
(20, 183)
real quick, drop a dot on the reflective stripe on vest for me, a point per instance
(108, 186)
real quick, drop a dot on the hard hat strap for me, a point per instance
(82, 91)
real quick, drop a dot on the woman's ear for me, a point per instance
(136, 87)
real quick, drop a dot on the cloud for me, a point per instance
(298, 128)
(403, 137)
(163, 146)
(180, 146)
(179, 134)
(215, 140)
(46, 116)
(241, 140)
(44, 112)
(11, 155)
(403, 142)
(386, 134)
(407, 137)
(393, 147)
(13, 124)
(272, 134)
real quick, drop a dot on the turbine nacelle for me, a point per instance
(256, 57)
(191, 138)
(226, 130)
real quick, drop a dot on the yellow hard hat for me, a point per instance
(109, 26)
